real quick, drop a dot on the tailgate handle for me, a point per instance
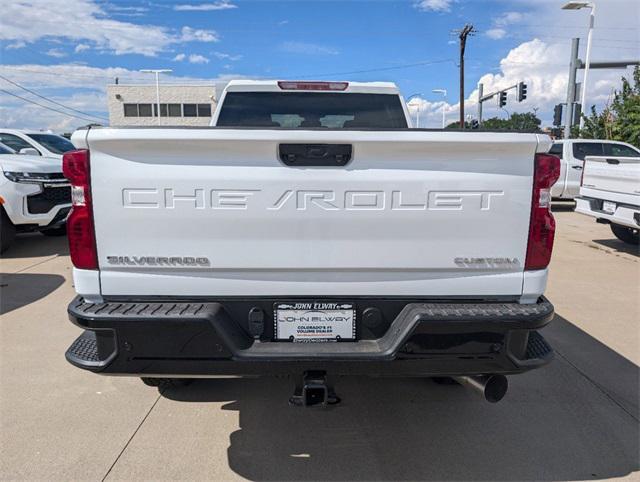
(613, 161)
(307, 155)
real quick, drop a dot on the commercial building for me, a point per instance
(180, 105)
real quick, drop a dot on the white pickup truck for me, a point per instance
(572, 153)
(310, 232)
(610, 192)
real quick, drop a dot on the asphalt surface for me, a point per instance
(576, 419)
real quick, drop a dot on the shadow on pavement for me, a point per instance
(575, 419)
(619, 246)
(20, 289)
(30, 245)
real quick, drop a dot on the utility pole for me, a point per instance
(468, 29)
(571, 88)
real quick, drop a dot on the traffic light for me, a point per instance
(502, 99)
(557, 115)
(577, 113)
(522, 91)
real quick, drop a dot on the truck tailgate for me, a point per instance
(614, 178)
(215, 212)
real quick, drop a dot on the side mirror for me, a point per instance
(29, 151)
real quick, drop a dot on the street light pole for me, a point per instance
(444, 103)
(157, 72)
(577, 5)
(587, 61)
(417, 108)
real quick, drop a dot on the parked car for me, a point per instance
(572, 153)
(311, 232)
(610, 192)
(35, 142)
(34, 196)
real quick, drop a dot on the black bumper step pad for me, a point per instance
(86, 349)
(537, 347)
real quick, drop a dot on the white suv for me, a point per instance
(36, 143)
(34, 196)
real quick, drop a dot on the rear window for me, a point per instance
(584, 149)
(308, 110)
(556, 150)
(54, 143)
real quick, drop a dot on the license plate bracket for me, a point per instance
(314, 321)
(609, 207)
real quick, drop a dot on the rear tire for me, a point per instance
(59, 231)
(166, 382)
(7, 231)
(628, 235)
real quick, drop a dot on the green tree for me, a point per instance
(517, 122)
(619, 120)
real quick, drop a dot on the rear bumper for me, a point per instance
(624, 214)
(201, 339)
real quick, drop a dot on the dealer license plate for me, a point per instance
(315, 321)
(609, 207)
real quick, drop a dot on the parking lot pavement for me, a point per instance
(575, 419)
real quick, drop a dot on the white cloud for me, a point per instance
(499, 30)
(434, 5)
(220, 5)
(57, 53)
(16, 45)
(81, 48)
(543, 67)
(223, 56)
(496, 33)
(179, 58)
(197, 35)
(29, 21)
(198, 59)
(508, 18)
(307, 48)
(125, 11)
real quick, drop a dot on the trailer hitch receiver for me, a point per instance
(313, 389)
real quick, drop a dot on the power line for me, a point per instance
(45, 106)
(378, 69)
(52, 101)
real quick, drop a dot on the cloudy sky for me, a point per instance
(68, 51)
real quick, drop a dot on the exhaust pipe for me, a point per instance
(492, 388)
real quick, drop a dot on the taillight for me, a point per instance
(293, 85)
(542, 226)
(80, 230)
